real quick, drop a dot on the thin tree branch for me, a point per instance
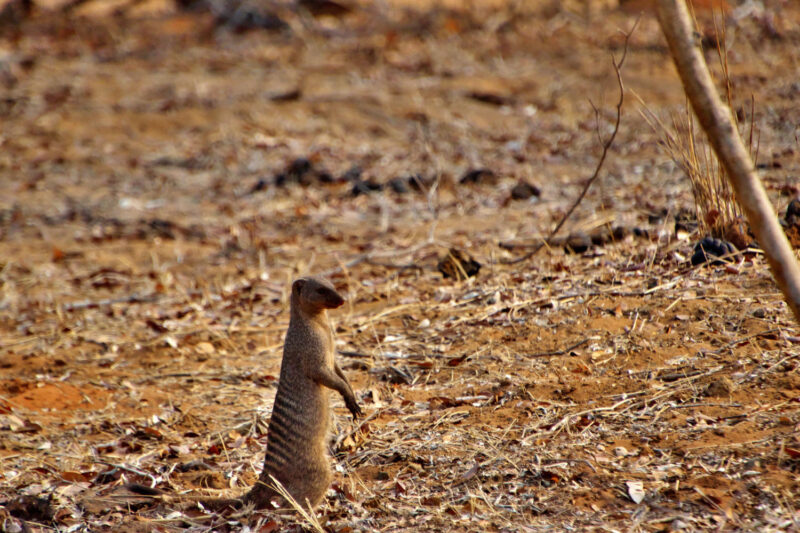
(606, 146)
(715, 118)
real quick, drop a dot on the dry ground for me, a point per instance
(146, 253)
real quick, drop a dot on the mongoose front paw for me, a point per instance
(354, 408)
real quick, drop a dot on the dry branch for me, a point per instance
(606, 146)
(716, 120)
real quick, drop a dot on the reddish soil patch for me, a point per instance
(59, 397)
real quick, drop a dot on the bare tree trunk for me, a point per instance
(717, 121)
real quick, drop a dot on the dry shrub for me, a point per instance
(718, 213)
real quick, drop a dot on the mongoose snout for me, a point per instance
(316, 293)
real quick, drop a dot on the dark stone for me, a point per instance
(240, 19)
(365, 187)
(31, 509)
(710, 248)
(300, 170)
(577, 243)
(792, 216)
(353, 174)
(524, 190)
(260, 185)
(324, 7)
(399, 185)
(299, 167)
(325, 177)
(478, 175)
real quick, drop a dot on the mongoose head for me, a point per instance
(313, 295)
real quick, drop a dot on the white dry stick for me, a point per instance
(715, 118)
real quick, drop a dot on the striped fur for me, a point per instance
(296, 441)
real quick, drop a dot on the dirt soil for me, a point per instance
(164, 177)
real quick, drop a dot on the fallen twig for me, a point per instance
(563, 351)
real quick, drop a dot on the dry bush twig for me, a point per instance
(716, 207)
(718, 124)
(617, 65)
(717, 212)
(561, 351)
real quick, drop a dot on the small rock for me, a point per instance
(205, 347)
(242, 19)
(352, 174)
(286, 96)
(31, 508)
(301, 171)
(491, 98)
(365, 187)
(606, 235)
(399, 185)
(297, 171)
(792, 215)
(577, 243)
(325, 8)
(678, 525)
(323, 176)
(524, 190)
(299, 167)
(478, 176)
(260, 185)
(709, 248)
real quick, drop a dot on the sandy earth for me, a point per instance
(153, 213)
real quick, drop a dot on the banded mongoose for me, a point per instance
(298, 428)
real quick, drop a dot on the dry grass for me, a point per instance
(715, 204)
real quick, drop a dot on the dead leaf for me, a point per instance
(469, 474)
(269, 527)
(636, 491)
(457, 360)
(76, 477)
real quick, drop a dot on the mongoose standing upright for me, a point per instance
(298, 429)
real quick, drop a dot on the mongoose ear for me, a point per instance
(297, 286)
